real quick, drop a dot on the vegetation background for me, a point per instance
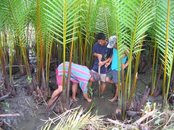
(55, 31)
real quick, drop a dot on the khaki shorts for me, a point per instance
(103, 77)
(113, 75)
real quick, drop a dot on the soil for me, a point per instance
(33, 113)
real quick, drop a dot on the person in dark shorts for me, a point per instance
(112, 75)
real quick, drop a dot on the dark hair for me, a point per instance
(100, 36)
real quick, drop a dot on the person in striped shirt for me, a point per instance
(79, 75)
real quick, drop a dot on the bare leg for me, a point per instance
(74, 91)
(116, 94)
(102, 87)
(54, 96)
(90, 82)
(85, 95)
(109, 80)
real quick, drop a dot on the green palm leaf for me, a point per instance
(161, 33)
(106, 18)
(120, 29)
(164, 26)
(61, 17)
(133, 18)
(15, 15)
(137, 17)
(138, 20)
(86, 29)
(14, 19)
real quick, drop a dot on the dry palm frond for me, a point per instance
(75, 119)
(151, 120)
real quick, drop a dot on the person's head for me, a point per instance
(101, 38)
(112, 42)
(94, 76)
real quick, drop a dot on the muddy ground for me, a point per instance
(30, 114)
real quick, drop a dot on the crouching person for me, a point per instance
(80, 75)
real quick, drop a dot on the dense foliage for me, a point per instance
(49, 27)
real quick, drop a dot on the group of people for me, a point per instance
(105, 69)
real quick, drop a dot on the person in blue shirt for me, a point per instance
(102, 55)
(112, 75)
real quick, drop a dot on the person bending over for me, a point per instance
(79, 75)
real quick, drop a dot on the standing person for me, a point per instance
(102, 55)
(112, 75)
(79, 75)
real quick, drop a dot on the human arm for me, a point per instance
(125, 65)
(108, 57)
(125, 59)
(98, 56)
(105, 62)
(109, 62)
(102, 54)
(124, 62)
(95, 52)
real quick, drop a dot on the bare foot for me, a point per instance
(89, 100)
(74, 99)
(113, 99)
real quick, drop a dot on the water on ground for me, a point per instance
(32, 114)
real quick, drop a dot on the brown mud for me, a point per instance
(32, 114)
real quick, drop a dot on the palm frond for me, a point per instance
(164, 26)
(75, 119)
(15, 15)
(61, 17)
(138, 20)
(121, 30)
(164, 41)
(15, 21)
(105, 21)
(89, 14)
(137, 17)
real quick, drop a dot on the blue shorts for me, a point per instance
(113, 75)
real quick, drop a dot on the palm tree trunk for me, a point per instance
(3, 64)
